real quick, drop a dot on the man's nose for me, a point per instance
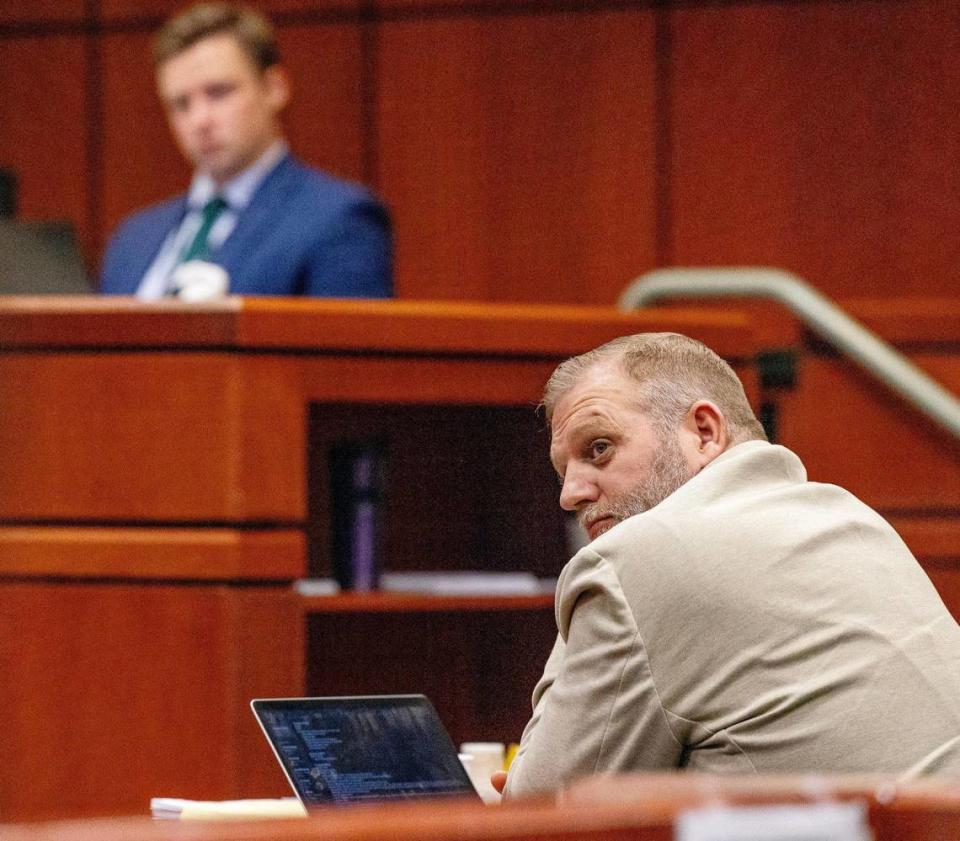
(199, 115)
(578, 489)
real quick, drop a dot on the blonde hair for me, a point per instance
(672, 373)
(252, 30)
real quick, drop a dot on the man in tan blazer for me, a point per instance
(728, 616)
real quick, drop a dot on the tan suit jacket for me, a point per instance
(751, 622)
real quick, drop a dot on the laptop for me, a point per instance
(362, 749)
(40, 258)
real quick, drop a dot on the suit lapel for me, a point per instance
(148, 241)
(256, 221)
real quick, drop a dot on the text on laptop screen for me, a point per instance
(363, 749)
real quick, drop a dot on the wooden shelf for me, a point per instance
(421, 603)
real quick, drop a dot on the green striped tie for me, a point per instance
(198, 250)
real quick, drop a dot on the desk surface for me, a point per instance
(423, 327)
(641, 806)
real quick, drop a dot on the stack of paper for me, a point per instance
(462, 583)
(174, 808)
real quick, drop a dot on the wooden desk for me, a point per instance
(630, 808)
(163, 482)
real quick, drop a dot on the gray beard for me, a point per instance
(667, 473)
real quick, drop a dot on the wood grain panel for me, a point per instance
(44, 136)
(457, 381)
(432, 328)
(910, 322)
(388, 602)
(269, 424)
(269, 662)
(141, 163)
(124, 9)
(439, 328)
(814, 136)
(602, 808)
(142, 553)
(114, 693)
(517, 153)
(48, 322)
(475, 7)
(323, 120)
(147, 437)
(852, 432)
(40, 11)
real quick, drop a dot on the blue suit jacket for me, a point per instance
(303, 233)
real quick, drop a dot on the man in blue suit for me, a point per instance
(254, 216)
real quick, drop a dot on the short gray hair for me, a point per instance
(672, 373)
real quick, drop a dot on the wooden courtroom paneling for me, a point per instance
(817, 137)
(141, 163)
(144, 436)
(852, 432)
(44, 126)
(517, 154)
(113, 693)
(471, 7)
(324, 121)
(447, 328)
(41, 11)
(159, 9)
(603, 808)
(210, 554)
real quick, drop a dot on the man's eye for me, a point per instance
(598, 448)
(219, 91)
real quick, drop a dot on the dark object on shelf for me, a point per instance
(357, 478)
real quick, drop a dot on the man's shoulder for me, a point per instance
(312, 185)
(160, 215)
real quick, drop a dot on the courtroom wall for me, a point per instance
(548, 150)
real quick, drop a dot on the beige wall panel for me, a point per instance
(141, 164)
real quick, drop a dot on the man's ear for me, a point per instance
(704, 433)
(277, 83)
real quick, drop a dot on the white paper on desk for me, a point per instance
(225, 810)
(810, 822)
(467, 583)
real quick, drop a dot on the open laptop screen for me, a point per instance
(361, 749)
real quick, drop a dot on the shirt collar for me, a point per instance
(239, 190)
